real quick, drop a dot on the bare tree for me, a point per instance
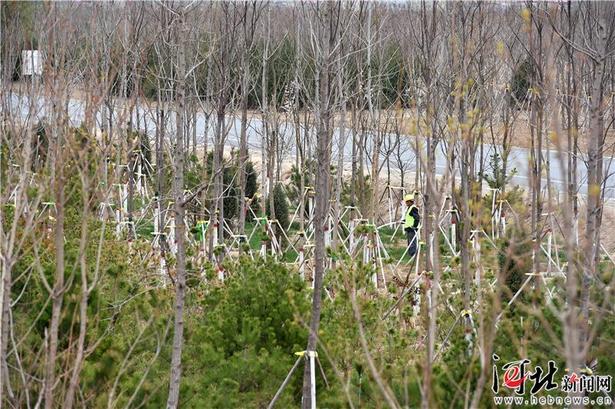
(251, 14)
(324, 40)
(179, 210)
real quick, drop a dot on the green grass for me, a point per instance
(394, 242)
(145, 230)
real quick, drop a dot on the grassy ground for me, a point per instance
(393, 240)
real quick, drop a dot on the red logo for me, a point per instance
(513, 378)
(516, 374)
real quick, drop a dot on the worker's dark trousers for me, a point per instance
(411, 236)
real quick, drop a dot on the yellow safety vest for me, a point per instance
(409, 219)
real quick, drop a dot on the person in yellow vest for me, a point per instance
(411, 224)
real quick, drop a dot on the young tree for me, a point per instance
(179, 210)
(325, 33)
(251, 14)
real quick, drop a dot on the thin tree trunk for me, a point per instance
(83, 303)
(354, 176)
(340, 155)
(323, 156)
(243, 142)
(178, 205)
(58, 288)
(594, 187)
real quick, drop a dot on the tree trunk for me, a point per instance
(594, 187)
(178, 207)
(340, 156)
(243, 142)
(58, 288)
(323, 156)
(83, 302)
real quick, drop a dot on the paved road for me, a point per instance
(518, 158)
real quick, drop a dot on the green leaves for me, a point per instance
(241, 347)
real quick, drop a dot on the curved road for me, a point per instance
(518, 158)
